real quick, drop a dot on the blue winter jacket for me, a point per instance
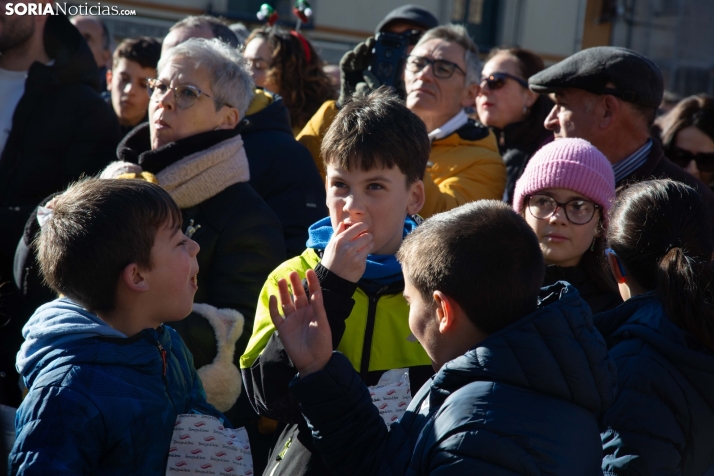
(99, 403)
(662, 422)
(524, 401)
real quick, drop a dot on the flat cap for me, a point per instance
(636, 79)
(414, 14)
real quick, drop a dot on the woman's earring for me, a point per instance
(592, 246)
(525, 110)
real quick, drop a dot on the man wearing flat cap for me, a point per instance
(609, 96)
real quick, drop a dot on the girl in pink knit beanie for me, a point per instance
(565, 195)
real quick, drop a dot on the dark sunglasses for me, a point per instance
(681, 157)
(498, 80)
(413, 36)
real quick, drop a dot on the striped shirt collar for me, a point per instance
(627, 166)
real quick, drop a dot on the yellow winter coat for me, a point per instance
(463, 167)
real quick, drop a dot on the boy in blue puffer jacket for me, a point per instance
(522, 374)
(106, 378)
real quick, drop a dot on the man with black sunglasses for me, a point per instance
(609, 96)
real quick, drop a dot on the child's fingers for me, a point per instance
(318, 308)
(274, 313)
(298, 290)
(286, 300)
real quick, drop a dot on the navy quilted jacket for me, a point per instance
(524, 401)
(662, 422)
(100, 403)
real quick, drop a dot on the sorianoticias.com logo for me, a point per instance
(28, 8)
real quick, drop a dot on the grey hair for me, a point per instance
(229, 78)
(459, 35)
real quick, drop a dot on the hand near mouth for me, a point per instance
(346, 253)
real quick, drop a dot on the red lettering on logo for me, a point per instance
(178, 422)
(206, 466)
(209, 438)
(232, 435)
(221, 453)
(172, 449)
(220, 427)
(394, 418)
(239, 458)
(391, 392)
(229, 469)
(196, 451)
(180, 463)
(402, 404)
(183, 437)
(199, 424)
(383, 406)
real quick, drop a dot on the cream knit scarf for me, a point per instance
(199, 176)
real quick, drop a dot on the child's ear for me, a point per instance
(445, 311)
(134, 278)
(108, 76)
(416, 197)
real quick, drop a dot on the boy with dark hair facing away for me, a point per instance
(133, 63)
(375, 154)
(106, 378)
(522, 374)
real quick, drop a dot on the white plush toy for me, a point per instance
(221, 378)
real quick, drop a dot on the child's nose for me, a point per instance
(194, 247)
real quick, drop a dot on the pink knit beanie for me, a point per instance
(574, 164)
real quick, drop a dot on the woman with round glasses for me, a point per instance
(514, 113)
(565, 194)
(687, 134)
(191, 147)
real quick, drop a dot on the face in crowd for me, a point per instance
(259, 55)
(93, 32)
(694, 150)
(182, 104)
(504, 97)
(565, 222)
(436, 92)
(127, 81)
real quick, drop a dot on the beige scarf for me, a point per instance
(196, 177)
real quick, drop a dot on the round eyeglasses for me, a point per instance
(578, 212)
(441, 68)
(185, 95)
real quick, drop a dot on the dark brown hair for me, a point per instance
(530, 132)
(377, 130)
(303, 84)
(483, 255)
(99, 226)
(143, 50)
(658, 230)
(697, 111)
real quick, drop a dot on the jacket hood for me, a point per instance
(267, 111)
(73, 60)
(555, 350)
(643, 317)
(55, 325)
(470, 134)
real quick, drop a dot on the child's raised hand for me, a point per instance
(346, 253)
(304, 332)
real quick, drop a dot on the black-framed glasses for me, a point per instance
(681, 157)
(185, 95)
(498, 80)
(441, 68)
(578, 211)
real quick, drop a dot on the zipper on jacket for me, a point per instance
(368, 333)
(163, 358)
(281, 455)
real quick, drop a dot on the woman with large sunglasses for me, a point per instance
(514, 113)
(662, 337)
(687, 134)
(565, 194)
(192, 148)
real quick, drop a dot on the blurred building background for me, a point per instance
(677, 34)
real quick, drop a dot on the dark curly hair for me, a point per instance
(303, 84)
